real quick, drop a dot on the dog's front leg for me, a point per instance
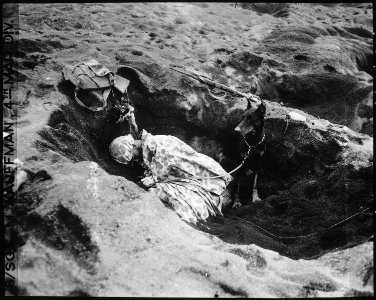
(255, 196)
(237, 203)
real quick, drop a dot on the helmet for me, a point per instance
(121, 149)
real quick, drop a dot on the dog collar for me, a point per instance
(251, 147)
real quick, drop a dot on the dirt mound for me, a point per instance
(317, 67)
(275, 9)
(89, 236)
(308, 167)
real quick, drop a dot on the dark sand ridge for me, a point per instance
(314, 175)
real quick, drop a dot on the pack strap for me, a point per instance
(105, 92)
(102, 81)
(105, 95)
(100, 73)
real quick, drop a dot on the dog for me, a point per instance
(251, 147)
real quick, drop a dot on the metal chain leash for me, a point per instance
(301, 236)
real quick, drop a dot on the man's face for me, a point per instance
(136, 153)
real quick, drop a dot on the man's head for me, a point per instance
(124, 149)
(252, 119)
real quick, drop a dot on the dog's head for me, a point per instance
(252, 119)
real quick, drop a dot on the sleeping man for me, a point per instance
(193, 184)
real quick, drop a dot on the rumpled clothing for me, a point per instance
(173, 165)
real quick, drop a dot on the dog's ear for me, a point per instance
(261, 110)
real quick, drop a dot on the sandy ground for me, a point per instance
(317, 58)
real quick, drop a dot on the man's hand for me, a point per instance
(147, 173)
(147, 181)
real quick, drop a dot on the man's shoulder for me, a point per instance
(162, 140)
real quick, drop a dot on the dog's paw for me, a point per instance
(256, 198)
(236, 204)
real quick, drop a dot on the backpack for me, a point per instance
(96, 78)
